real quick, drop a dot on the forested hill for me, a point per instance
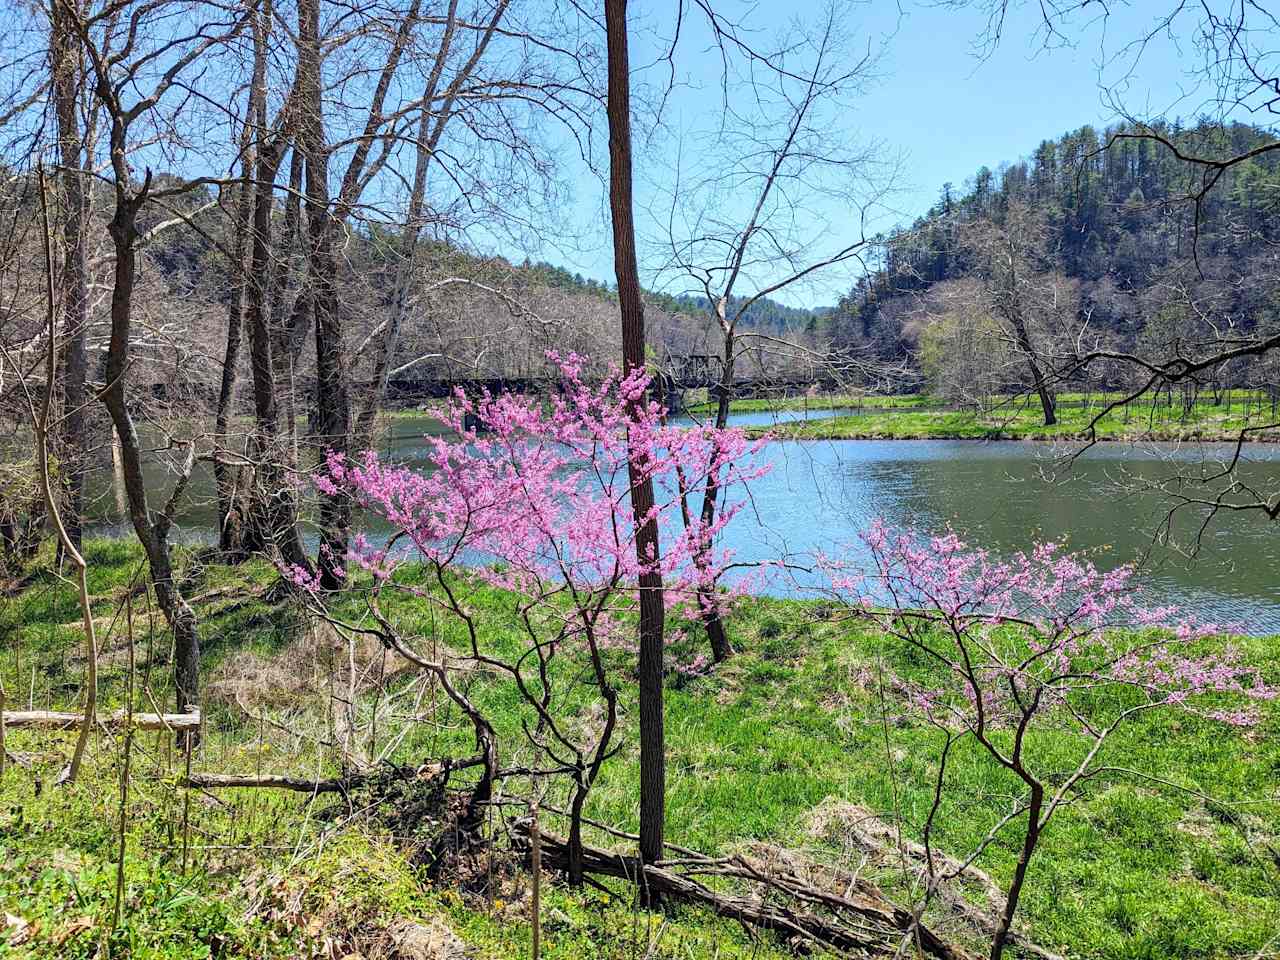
(1113, 226)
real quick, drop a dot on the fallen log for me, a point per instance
(57, 720)
(428, 771)
(868, 925)
(214, 781)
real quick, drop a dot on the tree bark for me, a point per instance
(652, 613)
(1029, 842)
(708, 603)
(276, 517)
(231, 527)
(333, 401)
(66, 61)
(1047, 405)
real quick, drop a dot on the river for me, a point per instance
(1001, 495)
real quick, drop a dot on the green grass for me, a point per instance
(824, 401)
(1023, 421)
(790, 726)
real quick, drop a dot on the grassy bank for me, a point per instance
(786, 744)
(824, 401)
(1026, 422)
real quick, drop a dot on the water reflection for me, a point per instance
(1001, 495)
(1006, 495)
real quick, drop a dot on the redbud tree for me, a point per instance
(531, 496)
(1010, 648)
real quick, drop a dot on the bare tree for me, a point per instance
(774, 145)
(118, 71)
(1020, 289)
(67, 74)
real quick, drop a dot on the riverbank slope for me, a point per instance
(793, 743)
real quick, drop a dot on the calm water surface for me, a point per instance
(999, 495)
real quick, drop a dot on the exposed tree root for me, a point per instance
(860, 922)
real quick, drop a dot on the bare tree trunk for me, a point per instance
(1009, 303)
(230, 521)
(333, 401)
(276, 519)
(67, 71)
(40, 424)
(652, 614)
(1030, 839)
(231, 527)
(1037, 376)
(288, 319)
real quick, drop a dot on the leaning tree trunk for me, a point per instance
(652, 738)
(1008, 304)
(1037, 375)
(1004, 922)
(153, 535)
(708, 603)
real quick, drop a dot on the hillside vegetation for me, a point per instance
(1107, 238)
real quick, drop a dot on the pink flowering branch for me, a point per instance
(1042, 638)
(532, 496)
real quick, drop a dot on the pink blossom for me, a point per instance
(1043, 626)
(539, 492)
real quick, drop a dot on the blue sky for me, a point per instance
(943, 107)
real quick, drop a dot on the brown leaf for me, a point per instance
(75, 928)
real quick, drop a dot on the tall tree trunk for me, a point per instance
(289, 317)
(231, 529)
(333, 401)
(276, 516)
(72, 444)
(652, 738)
(231, 520)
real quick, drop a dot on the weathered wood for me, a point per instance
(214, 781)
(58, 720)
(427, 771)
